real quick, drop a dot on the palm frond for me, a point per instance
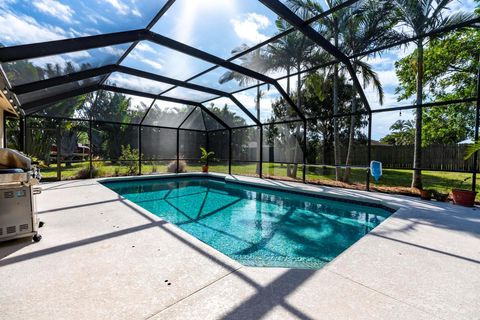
(471, 149)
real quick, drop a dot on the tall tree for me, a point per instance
(355, 29)
(370, 26)
(330, 26)
(451, 65)
(421, 17)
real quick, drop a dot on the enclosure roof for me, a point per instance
(180, 57)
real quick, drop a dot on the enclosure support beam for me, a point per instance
(90, 137)
(477, 124)
(50, 48)
(369, 150)
(90, 159)
(169, 99)
(285, 13)
(207, 146)
(245, 110)
(188, 115)
(37, 105)
(178, 136)
(183, 48)
(229, 151)
(213, 115)
(4, 120)
(160, 13)
(178, 150)
(23, 131)
(304, 170)
(139, 150)
(175, 82)
(86, 74)
(260, 170)
(56, 81)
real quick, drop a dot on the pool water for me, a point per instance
(255, 226)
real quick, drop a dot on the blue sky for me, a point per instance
(215, 26)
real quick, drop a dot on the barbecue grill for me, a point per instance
(18, 187)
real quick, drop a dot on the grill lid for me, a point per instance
(13, 159)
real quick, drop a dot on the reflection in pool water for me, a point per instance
(255, 226)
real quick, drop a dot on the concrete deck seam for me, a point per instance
(193, 293)
(386, 295)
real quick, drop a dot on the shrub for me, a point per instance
(172, 166)
(129, 158)
(97, 171)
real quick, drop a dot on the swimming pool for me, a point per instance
(255, 226)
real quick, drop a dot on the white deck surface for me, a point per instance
(103, 257)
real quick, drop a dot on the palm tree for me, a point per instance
(289, 52)
(421, 17)
(370, 25)
(355, 29)
(332, 23)
(403, 133)
(255, 60)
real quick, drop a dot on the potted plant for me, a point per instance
(463, 197)
(204, 158)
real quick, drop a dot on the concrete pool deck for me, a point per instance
(103, 257)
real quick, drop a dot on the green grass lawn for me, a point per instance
(391, 180)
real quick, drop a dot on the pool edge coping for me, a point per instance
(299, 188)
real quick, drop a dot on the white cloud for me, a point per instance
(137, 13)
(25, 29)
(388, 78)
(137, 83)
(115, 51)
(55, 9)
(4, 4)
(97, 18)
(379, 61)
(249, 28)
(153, 64)
(135, 56)
(123, 8)
(119, 5)
(145, 47)
(462, 6)
(54, 60)
(78, 55)
(382, 121)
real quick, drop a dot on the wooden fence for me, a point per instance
(437, 157)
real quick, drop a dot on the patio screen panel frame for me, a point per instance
(134, 36)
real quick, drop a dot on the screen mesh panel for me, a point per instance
(159, 143)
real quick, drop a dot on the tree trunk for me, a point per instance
(293, 170)
(351, 135)
(59, 147)
(336, 138)
(288, 81)
(417, 153)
